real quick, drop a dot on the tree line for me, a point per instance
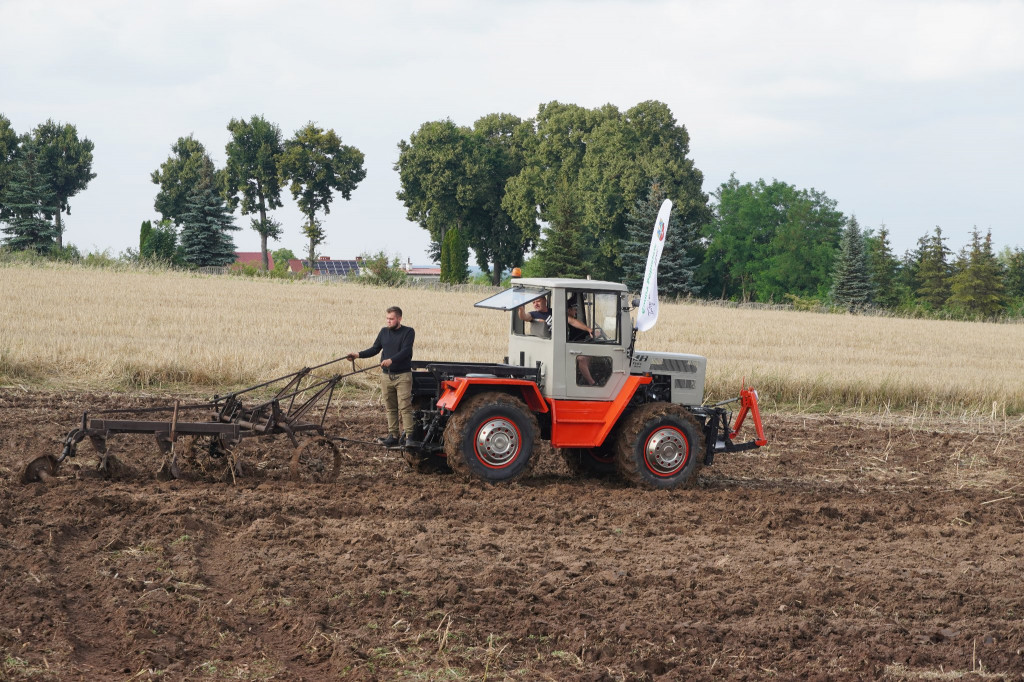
(571, 192)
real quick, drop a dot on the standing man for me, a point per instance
(394, 342)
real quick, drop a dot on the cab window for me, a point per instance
(593, 317)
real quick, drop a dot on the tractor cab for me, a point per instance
(578, 331)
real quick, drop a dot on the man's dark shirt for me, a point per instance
(396, 345)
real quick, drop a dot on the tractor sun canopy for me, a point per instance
(513, 298)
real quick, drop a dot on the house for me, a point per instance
(422, 273)
(254, 258)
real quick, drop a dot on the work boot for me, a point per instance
(389, 442)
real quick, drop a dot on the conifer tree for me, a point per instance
(676, 268)
(563, 251)
(205, 223)
(933, 270)
(1013, 269)
(851, 285)
(454, 255)
(977, 289)
(883, 270)
(29, 203)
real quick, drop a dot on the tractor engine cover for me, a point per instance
(685, 372)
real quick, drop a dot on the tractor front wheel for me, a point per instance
(660, 446)
(491, 437)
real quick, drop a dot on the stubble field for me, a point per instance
(878, 544)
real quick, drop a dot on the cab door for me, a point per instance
(595, 365)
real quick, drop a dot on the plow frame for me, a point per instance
(297, 408)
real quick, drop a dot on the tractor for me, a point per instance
(573, 379)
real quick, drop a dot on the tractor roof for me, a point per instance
(566, 283)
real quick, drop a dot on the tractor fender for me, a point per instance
(454, 390)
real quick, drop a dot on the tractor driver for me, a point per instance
(540, 313)
(394, 342)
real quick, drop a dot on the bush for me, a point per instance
(379, 269)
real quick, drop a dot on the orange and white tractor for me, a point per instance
(572, 377)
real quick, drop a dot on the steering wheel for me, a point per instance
(599, 334)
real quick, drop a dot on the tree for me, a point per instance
(317, 164)
(882, 269)
(381, 270)
(454, 177)
(30, 203)
(626, 153)
(564, 252)
(436, 188)
(187, 170)
(497, 153)
(676, 268)
(66, 162)
(252, 176)
(933, 270)
(454, 254)
(851, 282)
(8, 156)
(977, 288)
(1013, 267)
(205, 223)
(281, 258)
(769, 240)
(145, 230)
(160, 242)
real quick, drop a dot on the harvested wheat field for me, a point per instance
(872, 544)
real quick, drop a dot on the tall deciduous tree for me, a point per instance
(436, 188)
(314, 165)
(769, 240)
(626, 152)
(676, 268)
(977, 288)
(252, 176)
(497, 154)
(30, 203)
(205, 225)
(66, 161)
(851, 282)
(454, 177)
(188, 169)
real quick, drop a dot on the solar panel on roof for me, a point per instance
(335, 267)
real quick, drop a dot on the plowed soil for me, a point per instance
(851, 548)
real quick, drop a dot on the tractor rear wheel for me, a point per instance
(491, 437)
(599, 461)
(660, 446)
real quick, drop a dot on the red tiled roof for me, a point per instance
(253, 258)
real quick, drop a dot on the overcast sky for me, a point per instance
(908, 114)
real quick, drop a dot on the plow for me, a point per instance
(198, 438)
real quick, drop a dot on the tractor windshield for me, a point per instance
(510, 299)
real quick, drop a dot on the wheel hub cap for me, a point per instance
(666, 451)
(497, 442)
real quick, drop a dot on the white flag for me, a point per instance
(648, 314)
